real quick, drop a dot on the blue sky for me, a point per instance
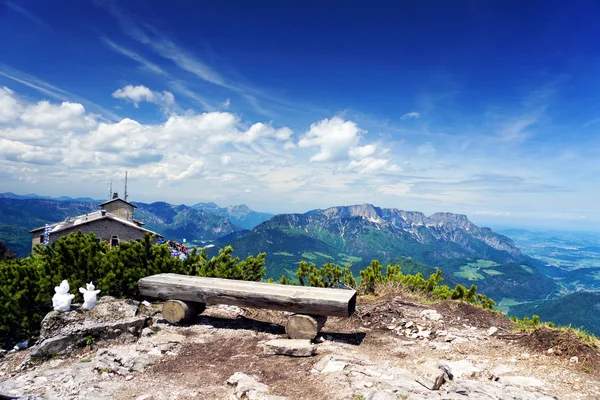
(484, 108)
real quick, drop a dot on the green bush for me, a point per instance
(20, 312)
(329, 276)
(27, 285)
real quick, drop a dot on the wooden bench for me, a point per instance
(187, 296)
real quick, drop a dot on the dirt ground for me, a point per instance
(225, 340)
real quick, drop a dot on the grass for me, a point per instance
(506, 303)
(469, 272)
(324, 255)
(283, 253)
(527, 268)
(472, 271)
(309, 256)
(348, 258)
(492, 272)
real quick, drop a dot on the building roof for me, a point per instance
(117, 199)
(72, 222)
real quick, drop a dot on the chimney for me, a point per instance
(103, 212)
(115, 195)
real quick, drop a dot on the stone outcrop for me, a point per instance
(61, 332)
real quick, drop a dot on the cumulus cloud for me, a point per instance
(215, 151)
(362, 151)
(334, 137)
(9, 106)
(138, 94)
(64, 116)
(411, 115)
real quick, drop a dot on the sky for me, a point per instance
(487, 108)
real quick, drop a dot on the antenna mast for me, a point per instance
(125, 198)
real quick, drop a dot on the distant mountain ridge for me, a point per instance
(465, 252)
(384, 233)
(240, 215)
(21, 213)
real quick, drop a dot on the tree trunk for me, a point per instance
(177, 311)
(301, 326)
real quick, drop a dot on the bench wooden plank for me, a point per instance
(297, 299)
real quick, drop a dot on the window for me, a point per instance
(114, 241)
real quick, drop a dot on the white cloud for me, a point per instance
(411, 115)
(137, 94)
(247, 191)
(225, 159)
(368, 165)
(397, 189)
(145, 64)
(65, 116)
(193, 170)
(226, 104)
(9, 106)
(333, 136)
(362, 151)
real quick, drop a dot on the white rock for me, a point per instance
(492, 330)
(290, 347)
(430, 377)
(247, 386)
(462, 368)
(574, 360)
(523, 381)
(431, 315)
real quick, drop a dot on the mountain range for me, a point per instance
(201, 222)
(355, 235)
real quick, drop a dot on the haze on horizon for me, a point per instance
(486, 109)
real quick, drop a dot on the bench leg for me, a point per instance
(301, 326)
(178, 311)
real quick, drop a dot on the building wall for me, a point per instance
(120, 209)
(104, 229)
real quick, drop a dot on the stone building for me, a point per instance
(113, 223)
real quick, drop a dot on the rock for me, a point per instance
(53, 346)
(524, 381)
(247, 386)
(574, 360)
(328, 365)
(462, 368)
(121, 360)
(431, 315)
(476, 390)
(147, 332)
(290, 347)
(430, 376)
(146, 396)
(409, 324)
(500, 370)
(450, 337)
(492, 331)
(108, 319)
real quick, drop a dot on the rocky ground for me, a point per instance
(393, 348)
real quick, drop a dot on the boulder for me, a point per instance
(55, 345)
(430, 376)
(121, 360)
(62, 331)
(290, 347)
(247, 386)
